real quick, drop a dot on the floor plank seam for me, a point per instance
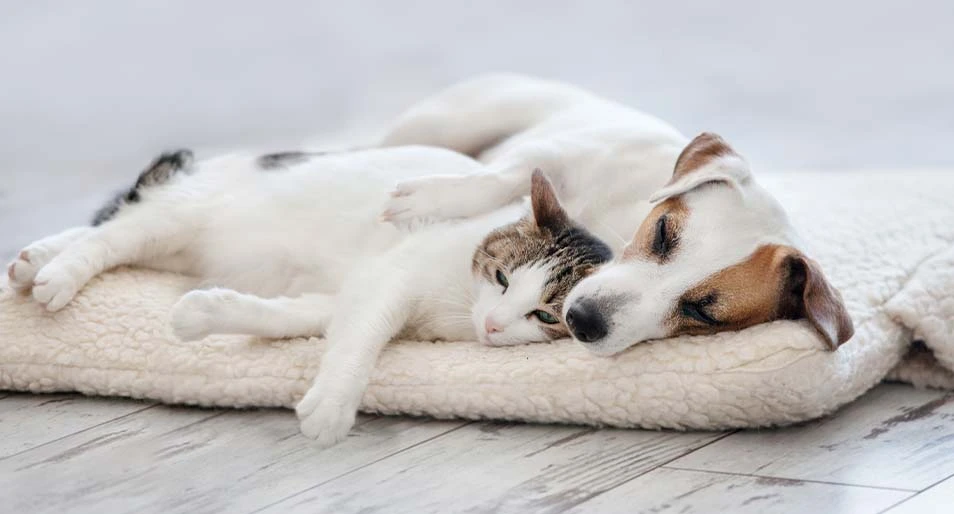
(752, 475)
(663, 464)
(898, 504)
(358, 468)
(918, 493)
(91, 427)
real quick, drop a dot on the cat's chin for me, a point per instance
(485, 340)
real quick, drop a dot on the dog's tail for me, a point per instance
(473, 115)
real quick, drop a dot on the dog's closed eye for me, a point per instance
(664, 239)
(699, 310)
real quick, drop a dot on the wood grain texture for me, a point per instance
(499, 467)
(665, 491)
(172, 459)
(28, 421)
(893, 437)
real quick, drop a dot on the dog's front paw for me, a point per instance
(326, 419)
(54, 286)
(439, 197)
(197, 314)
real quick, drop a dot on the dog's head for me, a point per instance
(714, 254)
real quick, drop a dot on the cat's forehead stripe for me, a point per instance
(566, 256)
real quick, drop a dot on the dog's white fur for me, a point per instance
(611, 164)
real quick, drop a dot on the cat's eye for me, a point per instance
(502, 280)
(661, 241)
(699, 310)
(545, 317)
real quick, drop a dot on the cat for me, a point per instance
(291, 244)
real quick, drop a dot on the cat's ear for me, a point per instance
(547, 211)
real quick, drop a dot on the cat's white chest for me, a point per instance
(441, 324)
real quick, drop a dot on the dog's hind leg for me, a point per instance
(473, 115)
(443, 197)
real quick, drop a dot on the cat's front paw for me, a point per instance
(439, 197)
(54, 286)
(197, 314)
(22, 271)
(326, 418)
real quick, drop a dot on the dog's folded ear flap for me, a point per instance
(547, 211)
(807, 294)
(706, 159)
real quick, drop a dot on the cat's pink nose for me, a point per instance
(491, 325)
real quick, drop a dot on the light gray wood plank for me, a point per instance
(497, 467)
(664, 491)
(939, 498)
(189, 460)
(30, 420)
(60, 476)
(894, 437)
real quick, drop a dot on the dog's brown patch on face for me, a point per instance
(653, 242)
(736, 297)
(775, 282)
(700, 151)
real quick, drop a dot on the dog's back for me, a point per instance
(605, 159)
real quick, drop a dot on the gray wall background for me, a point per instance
(90, 91)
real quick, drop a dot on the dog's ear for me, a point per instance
(706, 159)
(806, 293)
(547, 211)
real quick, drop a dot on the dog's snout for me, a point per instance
(586, 322)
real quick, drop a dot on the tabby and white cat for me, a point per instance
(296, 240)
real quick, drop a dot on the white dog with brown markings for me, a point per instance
(709, 251)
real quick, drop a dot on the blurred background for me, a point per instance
(91, 91)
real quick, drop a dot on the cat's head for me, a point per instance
(523, 271)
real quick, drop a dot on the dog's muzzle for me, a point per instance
(586, 322)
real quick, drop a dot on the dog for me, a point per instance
(699, 246)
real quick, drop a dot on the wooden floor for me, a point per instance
(892, 451)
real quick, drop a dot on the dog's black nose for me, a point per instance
(586, 322)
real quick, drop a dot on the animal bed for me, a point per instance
(885, 239)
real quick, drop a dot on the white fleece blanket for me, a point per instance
(886, 239)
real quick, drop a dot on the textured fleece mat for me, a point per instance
(886, 239)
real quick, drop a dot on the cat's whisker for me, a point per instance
(491, 258)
